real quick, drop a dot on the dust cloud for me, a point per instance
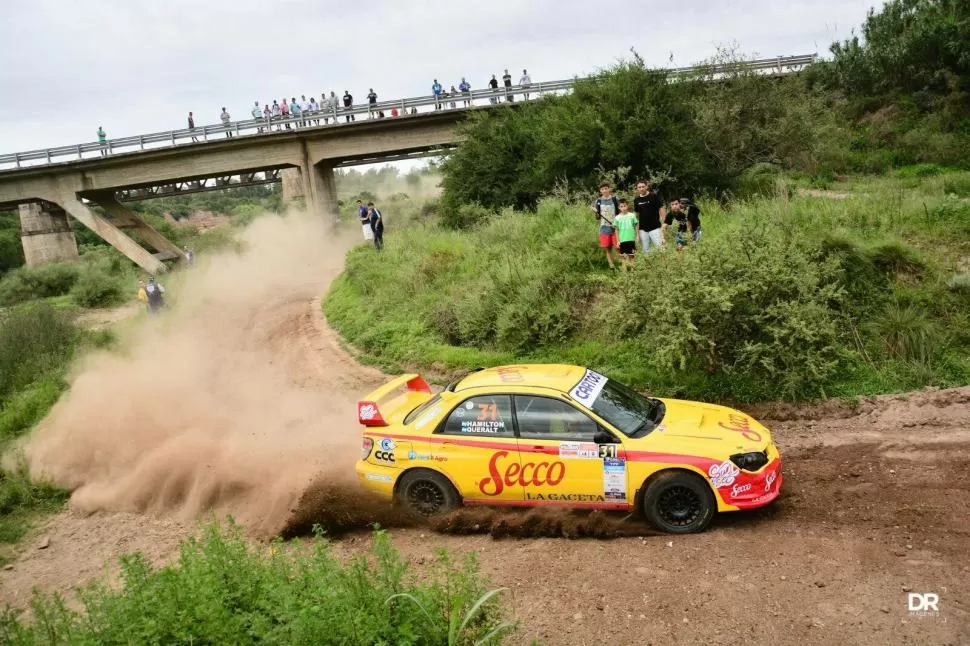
(234, 400)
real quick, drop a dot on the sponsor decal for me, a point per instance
(741, 424)
(426, 457)
(739, 489)
(384, 456)
(661, 428)
(378, 477)
(614, 478)
(770, 480)
(367, 411)
(510, 375)
(566, 497)
(723, 474)
(469, 405)
(586, 450)
(588, 388)
(525, 475)
(386, 444)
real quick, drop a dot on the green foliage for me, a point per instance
(42, 281)
(907, 333)
(960, 283)
(224, 590)
(20, 498)
(35, 339)
(98, 288)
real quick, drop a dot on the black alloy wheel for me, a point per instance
(427, 493)
(677, 502)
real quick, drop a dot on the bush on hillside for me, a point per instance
(35, 340)
(97, 288)
(225, 590)
(41, 281)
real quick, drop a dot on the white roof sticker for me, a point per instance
(588, 388)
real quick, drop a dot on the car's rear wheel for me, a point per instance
(427, 493)
(679, 503)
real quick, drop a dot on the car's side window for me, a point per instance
(544, 418)
(488, 415)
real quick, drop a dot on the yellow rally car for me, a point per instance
(560, 435)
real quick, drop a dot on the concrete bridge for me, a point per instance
(50, 186)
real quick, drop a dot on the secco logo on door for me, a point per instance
(525, 475)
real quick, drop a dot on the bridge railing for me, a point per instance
(406, 106)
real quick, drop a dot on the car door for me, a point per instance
(480, 455)
(567, 457)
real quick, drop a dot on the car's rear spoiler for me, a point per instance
(368, 409)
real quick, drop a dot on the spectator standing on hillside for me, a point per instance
(466, 89)
(493, 85)
(626, 233)
(376, 225)
(525, 82)
(257, 115)
(192, 128)
(606, 207)
(155, 294)
(363, 214)
(436, 91)
(507, 81)
(650, 216)
(142, 295)
(371, 104)
(693, 217)
(685, 225)
(103, 140)
(348, 103)
(225, 118)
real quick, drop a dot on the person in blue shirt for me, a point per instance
(377, 225)
(465, 88)
(436, 90)
(295, 110)
(363, 214)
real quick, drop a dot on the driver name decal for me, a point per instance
(588, 388)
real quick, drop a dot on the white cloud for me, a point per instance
(137, 66)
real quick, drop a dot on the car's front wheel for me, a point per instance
(679, 503)
(427, 493)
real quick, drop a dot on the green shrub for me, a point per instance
(35, 339)
(759, 180)
(224, 590)
(895, 257)
(19, 499)
(42, 281)
(920, 171)
(960, 283)
(957, 185)
(907, 333)
(96, 288)
(464, 215)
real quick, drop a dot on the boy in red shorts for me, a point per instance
(606, 207)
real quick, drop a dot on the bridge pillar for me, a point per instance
(321, 189)
(292, 184)
(123, 217)
(45, 233)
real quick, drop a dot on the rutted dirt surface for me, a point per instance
(876, 504)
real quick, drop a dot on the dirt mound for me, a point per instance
(216, 405)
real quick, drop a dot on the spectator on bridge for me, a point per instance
(225, 118)
(315, 110)
(348, 104)
(493, 85)
(364, 216)
(268, 117)
(371, 104)
(466, 90)
(192, 128)
(436, 91)
(332, 104)
(525, 82)
(257, 114)
(277, 113)
(285, 111)
(507, 81)
(103, 140)
(376, 225)
(296, 112)
(305, 110)
(155, 295)
(454, 94)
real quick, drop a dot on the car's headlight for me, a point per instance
(750, 461)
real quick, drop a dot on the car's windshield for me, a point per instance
(628, 411)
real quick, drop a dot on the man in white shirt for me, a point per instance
(277, 113)
(305, 109)
(525, 82)
(257, 114)
(315, 110)
(225, 118)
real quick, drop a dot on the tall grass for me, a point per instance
(225, 590)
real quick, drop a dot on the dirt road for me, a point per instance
(875, 506)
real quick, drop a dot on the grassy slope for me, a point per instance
(534, 287)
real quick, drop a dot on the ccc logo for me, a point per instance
(384, 456)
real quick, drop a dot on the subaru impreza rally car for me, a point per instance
(563, 436)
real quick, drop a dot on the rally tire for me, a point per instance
(677, 502)
(426, 493)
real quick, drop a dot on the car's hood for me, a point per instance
(709, 429)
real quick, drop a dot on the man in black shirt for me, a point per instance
(507, 81)
(650, 215)
(348, 103)
(493, 85)
(688, 221)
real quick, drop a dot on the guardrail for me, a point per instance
(407, 107)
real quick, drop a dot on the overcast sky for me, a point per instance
(139, 66)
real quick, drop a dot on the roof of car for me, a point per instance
(561, 377)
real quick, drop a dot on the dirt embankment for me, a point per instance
(239, 399)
